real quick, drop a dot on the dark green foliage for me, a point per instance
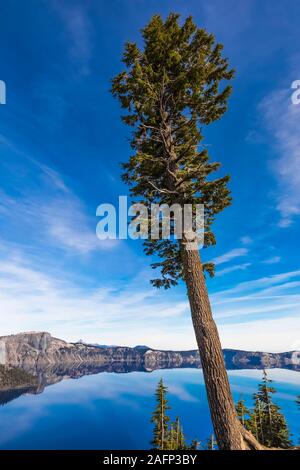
(171, 89)
(265, 421)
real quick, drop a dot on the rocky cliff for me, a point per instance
(36, 351)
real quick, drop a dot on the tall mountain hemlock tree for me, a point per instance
(171, 89)
(160, 419)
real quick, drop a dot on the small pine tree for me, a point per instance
(165, 436)
(211, 443)
(180, 439)
(195, 445)
(242, 412)
(266, 421)
(176, 439)
(172, 438)
(160, 419)
(255, 422)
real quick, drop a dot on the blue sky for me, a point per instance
(61, 141)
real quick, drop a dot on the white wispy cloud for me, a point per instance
(235, 253)
(78, 27)
(237, 267)
(281, 118)
(53, 213)
(265, 303)
(260, 314)
(53, 176)
(259, 284)
(272, 260)
(246, 240)
(65, 221)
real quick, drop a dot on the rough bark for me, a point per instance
(229, 432)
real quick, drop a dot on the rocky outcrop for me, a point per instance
(33, 351)
(235, 359)
(37, 351)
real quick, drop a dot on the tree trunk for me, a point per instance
(230, 433)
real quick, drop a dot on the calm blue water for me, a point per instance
(112, 411)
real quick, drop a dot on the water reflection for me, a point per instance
(112, 410)
(52, 374)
